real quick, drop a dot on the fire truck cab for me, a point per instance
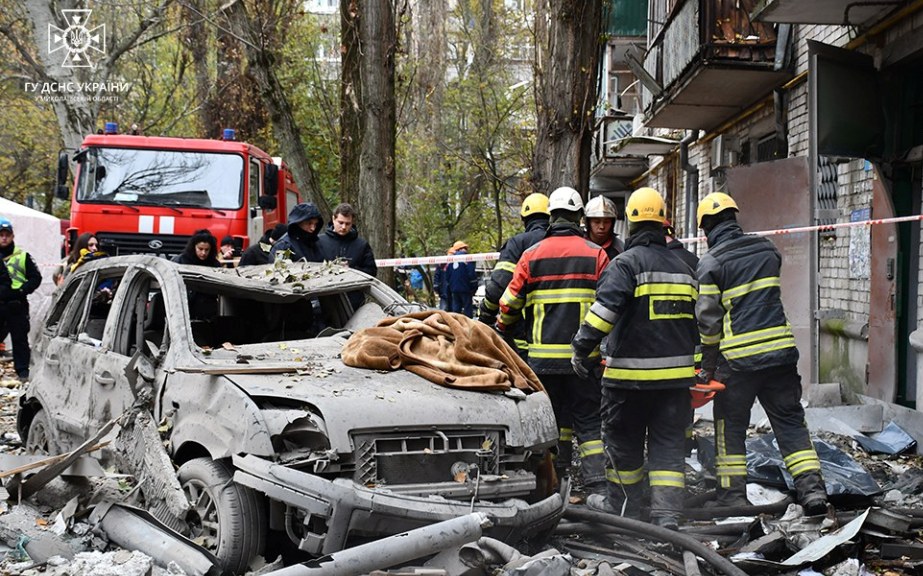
(148, 195)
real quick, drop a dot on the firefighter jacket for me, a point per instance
(644, 308)
(740, 303)
(503, 271)
(553, 285)
(19, 276)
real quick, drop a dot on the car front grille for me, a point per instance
(121, 244)
(424, 456)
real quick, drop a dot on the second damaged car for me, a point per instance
(273, 437)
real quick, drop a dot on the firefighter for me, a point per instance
(748, 344)
(553, 284)
(535, 215)
(644, 309)
(600, 225)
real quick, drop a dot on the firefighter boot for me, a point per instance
(811, 493)
(732, 496)
(666, 506)
(620, 498)
(565, 456)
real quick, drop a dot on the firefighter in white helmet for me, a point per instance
(600, 225)
(554, 281)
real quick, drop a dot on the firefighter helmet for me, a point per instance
(713, 204)
(536, 203)
(646, 205)
(565, 198)
(600, 207)
(460, 245)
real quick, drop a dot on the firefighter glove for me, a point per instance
(586, 368)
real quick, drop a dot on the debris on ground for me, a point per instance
(86, 522)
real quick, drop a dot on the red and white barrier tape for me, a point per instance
(491, 256)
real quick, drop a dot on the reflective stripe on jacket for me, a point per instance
(644, 307)
(554, 285)
(740, 304)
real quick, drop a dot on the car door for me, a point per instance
(57, 381)
(124, 366)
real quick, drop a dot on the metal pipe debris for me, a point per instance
(719, 562)
(393, 550)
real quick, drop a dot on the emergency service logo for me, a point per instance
(81, 43)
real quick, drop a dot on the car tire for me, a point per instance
(228, 519)
(38, 437)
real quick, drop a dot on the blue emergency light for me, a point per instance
(110, 128)
(229, 134)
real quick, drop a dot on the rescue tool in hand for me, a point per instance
(703, 392)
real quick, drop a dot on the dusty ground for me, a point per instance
(590, 550)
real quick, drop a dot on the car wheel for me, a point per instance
(227, 519)
(38, 437)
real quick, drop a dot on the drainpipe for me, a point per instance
(691, 183)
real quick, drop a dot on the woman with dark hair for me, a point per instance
(85, 249)
(201, 250)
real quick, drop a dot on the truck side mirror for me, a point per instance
(268, 202)
(60, 189)
(270, 182)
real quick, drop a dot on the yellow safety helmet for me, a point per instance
(536, 203)
(714, 203)
(646, 205)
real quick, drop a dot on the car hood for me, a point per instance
(351, 399)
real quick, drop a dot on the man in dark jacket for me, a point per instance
(534, 213)
(441, 282)
(644, 307)
(304, 225)
(553, 282)
(258, 253)
(341, 241)
(19, 277)
(748, 344)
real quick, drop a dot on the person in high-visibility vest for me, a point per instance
(19, 277)
(748, 344)
(644, 316)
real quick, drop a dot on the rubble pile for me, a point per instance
(92, 522)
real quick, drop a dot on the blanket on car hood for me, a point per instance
(446, 348)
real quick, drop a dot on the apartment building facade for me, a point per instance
(810, 114)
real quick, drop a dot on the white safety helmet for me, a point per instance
(601, 207)
(565, 198)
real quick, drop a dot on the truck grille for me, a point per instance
(120, 244)
(423, 456)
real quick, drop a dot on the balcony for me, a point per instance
(708, 62)
(842, 12)
(619, 157)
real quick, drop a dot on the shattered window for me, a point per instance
(224, 314)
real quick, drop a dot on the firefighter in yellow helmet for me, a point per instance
(644, 310)
(750, 347)
(535, 216)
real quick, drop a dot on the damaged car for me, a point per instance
(272, 436)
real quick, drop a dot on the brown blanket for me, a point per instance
(446, 348)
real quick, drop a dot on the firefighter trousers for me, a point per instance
(779, 393)
(576, 405)
(629, 418)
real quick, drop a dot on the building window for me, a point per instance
(767, 148)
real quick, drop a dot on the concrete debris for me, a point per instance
(64, 529)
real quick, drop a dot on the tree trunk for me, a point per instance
(284, 128)
(350, 102)
(567, 55)
(378, 39)
(197, 42)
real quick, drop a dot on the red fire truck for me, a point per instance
(148, 195)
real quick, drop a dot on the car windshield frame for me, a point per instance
(168, 178)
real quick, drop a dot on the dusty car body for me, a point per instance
(243, 368)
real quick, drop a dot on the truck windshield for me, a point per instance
(161, 178)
